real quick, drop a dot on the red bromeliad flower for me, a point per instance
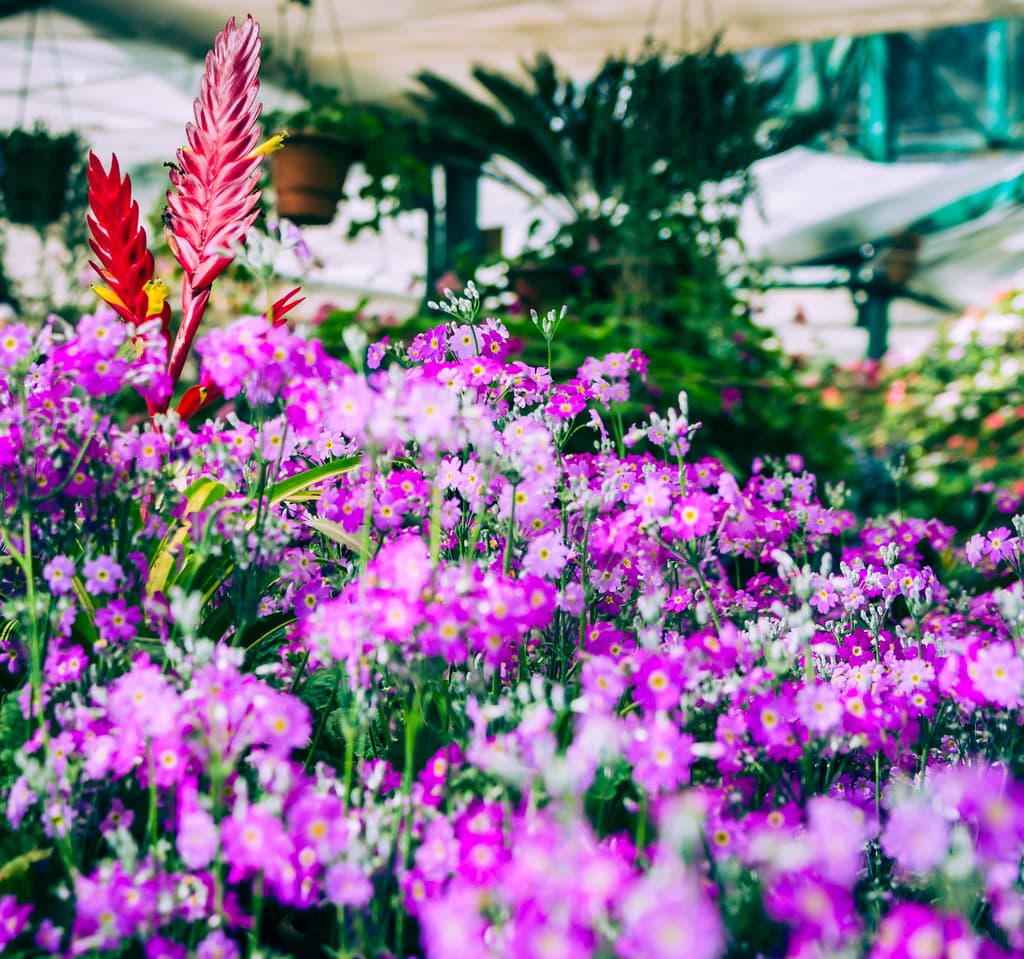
(125, 263)
(119, 242)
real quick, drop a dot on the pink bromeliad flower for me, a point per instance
(211, 207)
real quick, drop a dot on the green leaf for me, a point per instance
(287, 489)
(15, 871)
(202, 493)
(337, 534)
(263, 629)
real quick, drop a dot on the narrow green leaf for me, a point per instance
(337, 534)
(288, 488)
(17, 868)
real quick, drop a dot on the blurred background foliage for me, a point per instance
(647, 166)
(942, 436)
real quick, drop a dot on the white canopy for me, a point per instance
(123, 79)
(810, 205)
(373, 48)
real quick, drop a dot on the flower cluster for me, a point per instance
(429, 654)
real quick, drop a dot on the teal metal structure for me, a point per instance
(871, 85)
(874, 99)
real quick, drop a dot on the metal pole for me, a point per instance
(997, 81)
(462, 234)
(874, 107)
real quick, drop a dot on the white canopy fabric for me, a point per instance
(133, 95)
(372, 49)
(811, 204)
(967, 265)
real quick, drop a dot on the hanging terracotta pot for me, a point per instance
(309, 177)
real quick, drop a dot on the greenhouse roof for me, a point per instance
(371, 49)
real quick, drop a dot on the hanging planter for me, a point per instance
(35, 168)
(330, 135)
(309, 177)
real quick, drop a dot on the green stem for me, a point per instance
(436, 501)
(641, 826)
(350, 756)
(707, 594)
(412, 722)
(364, 533)
(507, 560)
(257, 913)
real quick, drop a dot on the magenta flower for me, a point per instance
(546, 555)
(482, 847)
(429, 346)
(151, 451)
(998, 674)
(197, 838)
(657, 684)
(667, 917)
(661, 755)
(838, 832)
(564, 403)
(375, 353)
(101, 333)
(976, 548)
(283, 724)
(15, 343)
(823, 597)
(158, 947)
(651, 498)
(218, 945)
(346, 884)
(116, 621)
(603, 682)
(254, 841)
(693, 516)
(916, 836)
(819, 709)
(913, 930)
(65, 665)
(823, 910)
(49, 937)
(144, 701)
(453, 927)
(102, 575)
(59, 574)
(13, 919)
(999, 544)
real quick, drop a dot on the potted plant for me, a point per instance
(625, 162)
(35, 169)
(326, 138)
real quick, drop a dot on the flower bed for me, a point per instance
(954, 417)
(372, 665)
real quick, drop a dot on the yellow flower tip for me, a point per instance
(108, 296)
(271, 145)
(157, 292)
